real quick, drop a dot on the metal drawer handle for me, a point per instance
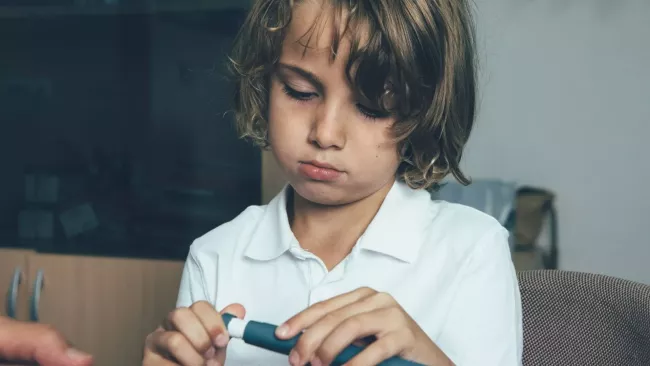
(36, 296)
(12, 293)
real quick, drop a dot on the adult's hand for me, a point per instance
(29, 343)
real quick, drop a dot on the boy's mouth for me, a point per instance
(320, 171)
(320, 164)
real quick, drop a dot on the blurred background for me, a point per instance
(116, 149)
(566, 107)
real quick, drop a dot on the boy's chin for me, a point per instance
(327, 194)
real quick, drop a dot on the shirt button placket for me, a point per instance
(320, 277)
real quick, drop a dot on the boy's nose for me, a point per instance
(328, 130)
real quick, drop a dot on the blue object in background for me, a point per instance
(495, 197)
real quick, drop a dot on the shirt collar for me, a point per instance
(396, 230)
(398, 227)
(273, 235)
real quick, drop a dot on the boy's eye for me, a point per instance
(298, 95)
(306, 96)
(371, 113)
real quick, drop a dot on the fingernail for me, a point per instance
(316, 362)
(282, 330)
(75, 354)
(221, 340)
(294, 358)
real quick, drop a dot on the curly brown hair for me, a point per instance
(421, 53)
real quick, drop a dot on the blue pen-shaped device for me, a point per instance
(263, 335)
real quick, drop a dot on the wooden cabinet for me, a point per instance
(95, 302)
(104, 306)
(272, 178)
(160, 290)
(13, 283)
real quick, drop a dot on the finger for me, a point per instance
(392, 344)
(211, 320)
(62, 356)
(174, 346)
(153, 355)
(31, 342)
(238, 311)
(306, 318)
(153, 359)
(313, 337)
(187, 322)
(380, 323)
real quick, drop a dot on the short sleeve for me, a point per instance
(192, 287)
(484, 326)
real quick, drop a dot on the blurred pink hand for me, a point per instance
(39, 343)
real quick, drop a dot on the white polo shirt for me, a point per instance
(447, 265)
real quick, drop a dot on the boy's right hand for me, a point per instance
(193, 336)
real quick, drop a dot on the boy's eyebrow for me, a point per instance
(304, 73)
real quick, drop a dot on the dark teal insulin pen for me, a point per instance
(263, 335)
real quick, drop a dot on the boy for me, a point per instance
(365, 104)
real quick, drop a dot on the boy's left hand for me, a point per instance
(332, 325)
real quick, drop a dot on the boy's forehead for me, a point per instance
(313, 26)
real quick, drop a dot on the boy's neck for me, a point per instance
(330, 232)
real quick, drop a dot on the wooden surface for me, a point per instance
(10, 260)
(95, 302)
(272, 178)
(162, 279)
(106, 306)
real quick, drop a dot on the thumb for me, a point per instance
(54, 350)
(237, 310)
(62, 355)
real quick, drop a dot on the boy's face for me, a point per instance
(332, 147)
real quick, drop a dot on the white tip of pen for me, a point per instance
(236, 327)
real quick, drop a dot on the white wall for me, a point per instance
(566, 105)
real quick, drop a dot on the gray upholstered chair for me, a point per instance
(573, 318)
